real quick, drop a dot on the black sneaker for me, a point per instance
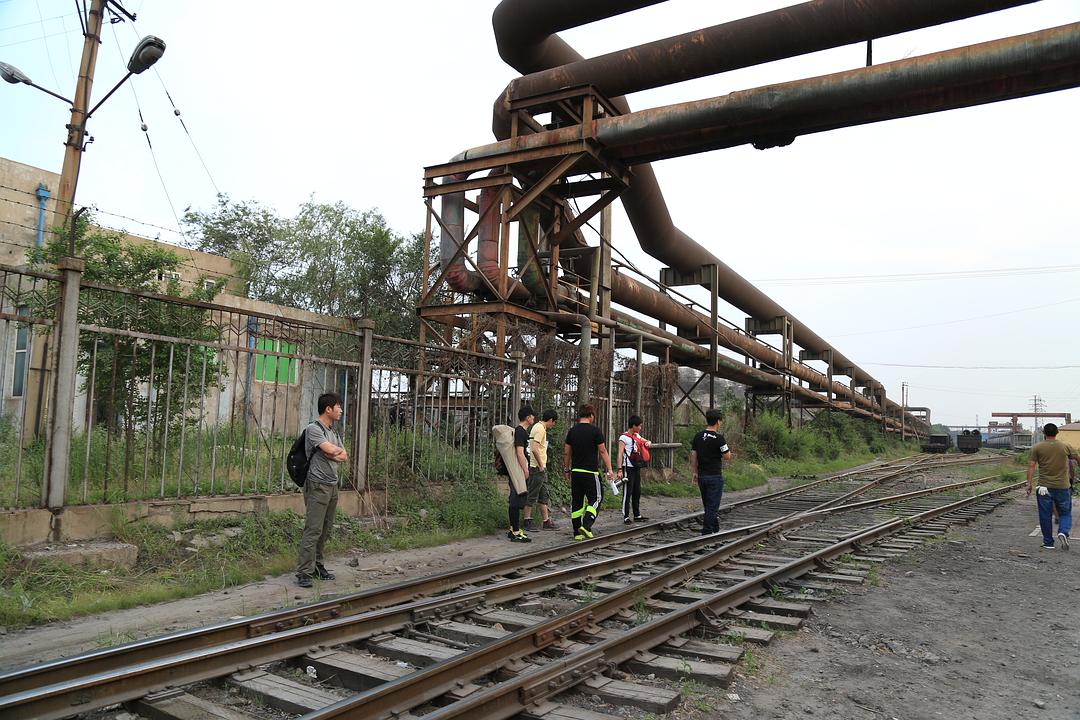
(304, 580)
(627, 521)
(640, 518)
(323, 573)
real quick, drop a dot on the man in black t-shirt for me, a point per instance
(517, 500)
(707, 454)
(585, 447)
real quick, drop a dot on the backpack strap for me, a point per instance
(304, 434)
(626, 453)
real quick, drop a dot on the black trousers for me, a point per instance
(586, 494)
(631, 498)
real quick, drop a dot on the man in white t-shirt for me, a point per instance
(630, 471)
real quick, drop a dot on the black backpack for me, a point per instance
(298, 461)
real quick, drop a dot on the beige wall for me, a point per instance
(1070, 435)
(19, 221)
(19, 212)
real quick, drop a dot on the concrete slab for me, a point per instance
(90, 554)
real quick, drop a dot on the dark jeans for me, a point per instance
(515, 502)
(631, 497)
(712, 489)
(1063, 500)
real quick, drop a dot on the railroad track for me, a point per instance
(446, 617)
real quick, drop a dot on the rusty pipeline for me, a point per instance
(524, 31)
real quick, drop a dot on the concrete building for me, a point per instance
(270, 390)
(1070, 435)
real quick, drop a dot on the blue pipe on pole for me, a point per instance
(42, 195)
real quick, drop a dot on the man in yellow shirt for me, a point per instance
(1051, 457)
(538, 483)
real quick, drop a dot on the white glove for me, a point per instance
(1040, 490)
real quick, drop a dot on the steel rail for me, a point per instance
(103, 688)
(515, 695)
(95, 661)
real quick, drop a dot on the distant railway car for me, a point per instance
(1008, 440)
(937, 443)
(969, 441)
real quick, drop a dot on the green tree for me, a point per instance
(330, 258)
(122, 367)
(354, 265)
(259, 242)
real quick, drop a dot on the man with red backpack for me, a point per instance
(633, 455)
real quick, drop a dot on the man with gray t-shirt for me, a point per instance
(325, 453)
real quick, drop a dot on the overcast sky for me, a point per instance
(350, 100)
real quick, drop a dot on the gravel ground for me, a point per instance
(982, 625)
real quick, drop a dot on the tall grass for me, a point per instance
(221, 460)
(36, 589)
(769, 448)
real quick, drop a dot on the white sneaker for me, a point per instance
(1064, 540)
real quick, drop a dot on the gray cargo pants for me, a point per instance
(320, 503)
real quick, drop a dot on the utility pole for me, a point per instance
(903, 411)
(69, 175)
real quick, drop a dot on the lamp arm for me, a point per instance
(108, 95)
(50, 92)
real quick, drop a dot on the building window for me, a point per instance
(22, 355)
(272, 368)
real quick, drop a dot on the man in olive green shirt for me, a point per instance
(1052, 456)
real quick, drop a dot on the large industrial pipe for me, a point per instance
(452, 212)
(796, 30)
(1002, 69)
(1005, 69)
(487, 245)
(658, 305)
(524, 31)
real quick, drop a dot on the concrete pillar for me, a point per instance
(363, 416)
(67, 350)
(519, 378)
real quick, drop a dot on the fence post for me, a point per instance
(67, 349)
(519, 377)
(363, 417)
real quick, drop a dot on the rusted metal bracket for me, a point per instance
(569, 677)
(711, 619)
(450, 608)
(302, 619)
(570, 626)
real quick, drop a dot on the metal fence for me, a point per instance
(180, 398)
(27, 369)
(169, 397)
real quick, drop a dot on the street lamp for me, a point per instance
(146, 53)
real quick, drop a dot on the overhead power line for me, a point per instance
(35, 39)
(960, 320)
(976, 367)
(35, 22)
(916, 277)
